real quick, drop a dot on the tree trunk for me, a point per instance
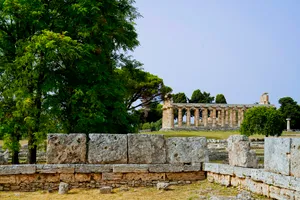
(32, 148)
(15, 157)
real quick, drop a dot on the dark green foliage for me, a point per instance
(290, 109)
(58, 62)
(179, 98)
(220, 98)
(199, 97)
(262, 120)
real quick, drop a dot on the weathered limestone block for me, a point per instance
(107, 149)
(258, 188)
(146, 149)
(125, 168)
(106, 190)
(211, 167)
(226, 169)
(281, 180)
(185, 176)
(8, 179)
(66, 148)
(112, 176)
(63, 188)
(239, 152)
(162, 186)
(166, 168)
(145, 176)
(17, 169)
(295, 157)
(295, 184)
(93, 168)
(57, 168)
(4, 158)
(242, 172)
(278, 193)
(277, 155)
(187, 150)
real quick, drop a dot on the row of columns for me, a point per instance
(230, 116)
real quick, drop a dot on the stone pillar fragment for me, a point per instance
(214, 117)
(196, 114)
(204, 116)
(239, 152)
(231, 118)
(222, 119)
(179, 117)
(188, 116)
(226, 116)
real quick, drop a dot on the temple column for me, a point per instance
(188, 117)
(179, 117)
(214, 117)
(222, 119)
(226, 116)
(234, 118)
(239, 117)
(219, 117)
(231, 118)
(196, 116)
(204, 117)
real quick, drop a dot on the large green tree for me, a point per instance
(179, 98)
(59, 58)
(142, 88)
(263, 121)
(290, 109)
(220, 98)
(199, 97)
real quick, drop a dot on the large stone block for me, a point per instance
(239, 152)
(107, 149)
(17, 169)
(277, 155)
(66, 148)
(187, 150)
(295, 157)
(211, 167)
(146, 149)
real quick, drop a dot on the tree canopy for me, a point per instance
(263, 121)
(199, 97)
(220, 98)
(290, 109)
(58, 62)
(179, 98)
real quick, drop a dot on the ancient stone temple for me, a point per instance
(206, 116)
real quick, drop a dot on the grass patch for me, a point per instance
(207, 134)
(192, 191)
(22, 142)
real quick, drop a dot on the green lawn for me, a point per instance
(207, 134)
(212, 134)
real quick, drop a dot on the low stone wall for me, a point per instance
(259, 181)
(125, 149)
(48, 177)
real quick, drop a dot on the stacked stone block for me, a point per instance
(240, 153)
(282, 156)
(126, 149)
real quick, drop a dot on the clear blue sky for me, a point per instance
(240, 48)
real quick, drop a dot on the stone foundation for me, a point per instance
(258, 181)
(48, 177)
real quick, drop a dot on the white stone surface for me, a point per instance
(211, 167)
(146, 149)
(63, 188)
(242, 172)
(277, 155)
(187, 150)
(239, 152)
(107, 149)
(66, 148)
(295, 157)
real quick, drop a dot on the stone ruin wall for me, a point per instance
(180, 161)
(280, 178)
(95, 160)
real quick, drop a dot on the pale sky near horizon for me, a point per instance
(240, 48)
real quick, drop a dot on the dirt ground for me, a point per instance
(199, 190)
